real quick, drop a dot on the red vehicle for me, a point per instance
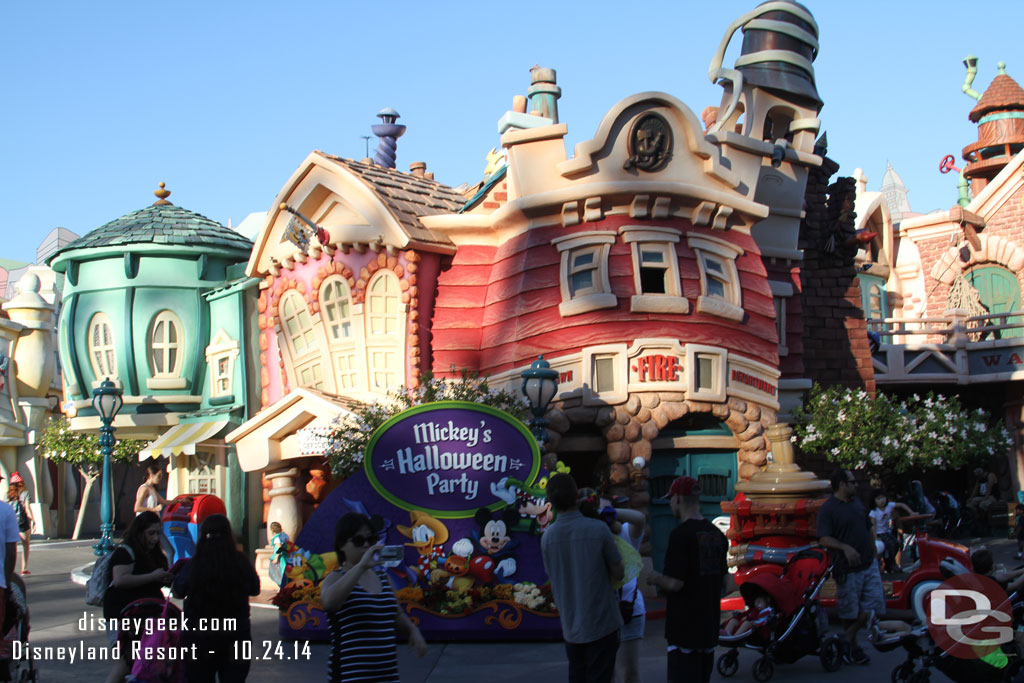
(905, 591)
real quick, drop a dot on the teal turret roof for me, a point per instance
(161, 224)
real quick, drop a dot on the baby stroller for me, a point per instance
(798, 626)
(922, 649)
(161, 613)
(16, 627)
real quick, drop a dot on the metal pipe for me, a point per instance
(971, 62)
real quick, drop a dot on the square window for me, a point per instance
(705, 368)
(604, 374)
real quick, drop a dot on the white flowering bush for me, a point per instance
(351, 432)
(855, 431)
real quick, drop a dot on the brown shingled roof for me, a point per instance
(1002, 93)
(407, 196)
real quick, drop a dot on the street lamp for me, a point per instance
(106, 399)
(540, 383)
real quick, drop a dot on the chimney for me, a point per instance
(543, 93)
(388, 132)
(418, 169)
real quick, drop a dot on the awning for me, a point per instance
(181, 438)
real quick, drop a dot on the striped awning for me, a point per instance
(181, 438)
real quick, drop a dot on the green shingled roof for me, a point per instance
(161, 224)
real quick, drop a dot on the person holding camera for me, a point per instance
(583, 563)
(628, 527)
(361, 608)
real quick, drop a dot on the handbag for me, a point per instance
(626, 606)
(22, 516)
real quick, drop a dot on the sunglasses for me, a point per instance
(359, 540)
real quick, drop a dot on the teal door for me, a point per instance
(1000, 293)
(714, 469)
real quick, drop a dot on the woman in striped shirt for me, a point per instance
(362, 610)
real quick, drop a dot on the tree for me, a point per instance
(351, 432)
(82, 450)
(887, 434)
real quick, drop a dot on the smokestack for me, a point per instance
(388, 132)
(543, 93)
(418, 169)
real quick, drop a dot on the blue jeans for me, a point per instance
(593, 662)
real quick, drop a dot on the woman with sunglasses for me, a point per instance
(362, 610)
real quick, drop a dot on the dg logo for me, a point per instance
(969, 616)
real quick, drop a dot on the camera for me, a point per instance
(391, 555)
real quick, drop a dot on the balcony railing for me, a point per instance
(952, 349)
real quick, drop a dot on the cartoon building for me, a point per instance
(158, 302)
(957, 274)
(654, 269)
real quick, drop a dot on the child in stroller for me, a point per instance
(760, 610)
(794, 624)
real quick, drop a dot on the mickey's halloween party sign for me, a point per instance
(450, 458)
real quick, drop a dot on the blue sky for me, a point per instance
(223, 100)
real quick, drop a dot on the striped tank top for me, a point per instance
(363, 636)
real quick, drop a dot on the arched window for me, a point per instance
(102, 353)
(165, 345)
(335, 303)
(384, 333)
(336, 310)
(999, 292)
(297, 326)
(384, 303)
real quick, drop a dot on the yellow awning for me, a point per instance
(181, 438)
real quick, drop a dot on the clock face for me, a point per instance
(650, 143)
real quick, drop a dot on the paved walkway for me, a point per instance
(61, 620)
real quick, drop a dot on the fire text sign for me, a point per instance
(447, 458)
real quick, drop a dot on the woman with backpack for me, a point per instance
(17, 498)
(138, 569)
(216, 584)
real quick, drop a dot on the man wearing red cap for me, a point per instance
(695, 569)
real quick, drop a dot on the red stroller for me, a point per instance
(795, 626)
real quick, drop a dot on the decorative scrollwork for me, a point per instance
(303, 614)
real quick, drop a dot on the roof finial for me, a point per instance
(1002, 68)
(162, 196)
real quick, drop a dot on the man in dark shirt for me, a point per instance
(695, 569)
(845, 528)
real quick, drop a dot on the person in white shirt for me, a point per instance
(148, 496)
(881, 515)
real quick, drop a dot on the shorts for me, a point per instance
(634, 630)
(860, 593)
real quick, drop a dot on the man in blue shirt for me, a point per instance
(582, 561)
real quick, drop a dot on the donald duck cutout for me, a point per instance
(428, 536)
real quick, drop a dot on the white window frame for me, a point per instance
(617, 352)
(387, 374)
(104, 366)
(203, 466)
(309, 359)
(343, 348)
(672, 300)
(718, 356)
(781, 293)
(724, 254)
(599, 295)
(166, 378)
(222, 347)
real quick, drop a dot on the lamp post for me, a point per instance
(106, 399)
(540, 383)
